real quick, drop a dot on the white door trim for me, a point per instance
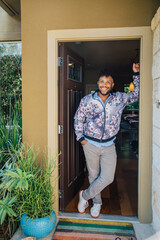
(145, 127)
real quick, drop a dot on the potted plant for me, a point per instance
(27, 192)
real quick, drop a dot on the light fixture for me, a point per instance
(131, 87)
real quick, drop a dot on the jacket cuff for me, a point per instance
(135, 73)
(81, 139)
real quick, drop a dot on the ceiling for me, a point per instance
(12, 7)
(117, 55)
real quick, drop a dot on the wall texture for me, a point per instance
(156, 121)
(38, 17)
(10, 27)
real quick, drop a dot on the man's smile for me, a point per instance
(104, 88)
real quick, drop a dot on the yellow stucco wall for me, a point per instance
(38, 16)
(10, 27)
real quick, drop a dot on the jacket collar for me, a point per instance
(93, 94)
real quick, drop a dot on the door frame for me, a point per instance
(145, 102)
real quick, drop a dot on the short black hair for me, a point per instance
(106, 73)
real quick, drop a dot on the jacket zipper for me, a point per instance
(104, 123)
(104, 118)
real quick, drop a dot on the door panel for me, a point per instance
(70, 94)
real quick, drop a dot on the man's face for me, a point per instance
(105, 85)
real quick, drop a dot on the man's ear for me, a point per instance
(112, 84)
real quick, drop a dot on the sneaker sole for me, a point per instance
(78, 203)
(95, 216)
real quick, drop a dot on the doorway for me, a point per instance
(145, 107)
(78, 75)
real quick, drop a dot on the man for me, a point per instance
(97, 121)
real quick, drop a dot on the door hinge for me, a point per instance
(60, 129)
(60, 61)
(60, 193)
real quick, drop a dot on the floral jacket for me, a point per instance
(99, 122)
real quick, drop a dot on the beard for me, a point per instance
(108, 92)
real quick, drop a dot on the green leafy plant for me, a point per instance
(26, 187)
(16, 179)
(6, 208)
(10, 133)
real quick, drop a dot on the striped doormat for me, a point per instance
(79, 229)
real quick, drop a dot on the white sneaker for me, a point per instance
(83, 204)
(95, 210)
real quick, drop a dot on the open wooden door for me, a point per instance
(70, 94)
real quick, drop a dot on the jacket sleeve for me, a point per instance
(79, 120)
(132, 97)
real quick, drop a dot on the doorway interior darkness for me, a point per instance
(121, 197)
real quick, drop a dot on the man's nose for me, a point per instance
(105, 85)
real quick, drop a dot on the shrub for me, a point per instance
(10, 82)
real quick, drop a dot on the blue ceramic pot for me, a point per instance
(38, 227)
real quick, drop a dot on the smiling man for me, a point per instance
(97, 121)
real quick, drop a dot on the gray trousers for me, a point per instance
(101, 165)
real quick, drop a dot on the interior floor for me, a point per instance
(120, 197)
